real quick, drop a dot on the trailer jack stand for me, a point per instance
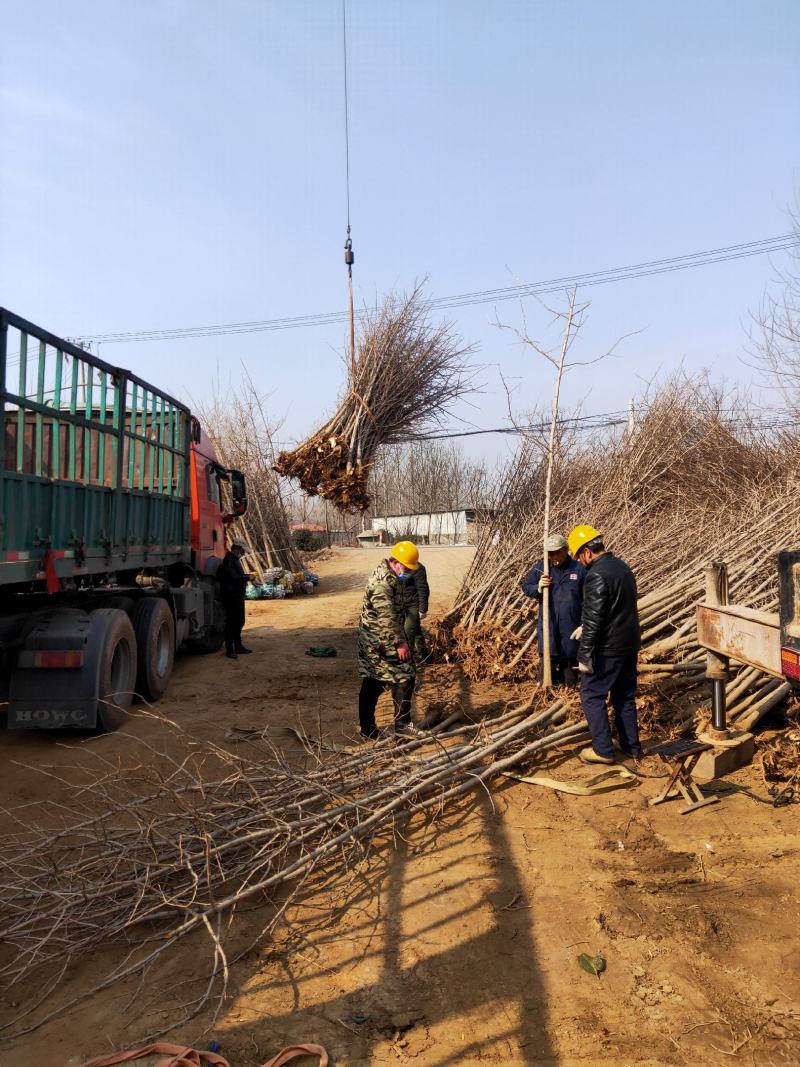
(724, 750)
(681, 757)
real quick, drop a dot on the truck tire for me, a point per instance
(111, 648)
(154, 627)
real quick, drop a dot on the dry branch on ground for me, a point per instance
(180, 848)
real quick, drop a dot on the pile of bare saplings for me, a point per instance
(406, 373)
(153, 851)
(698, 480)
(240, 429)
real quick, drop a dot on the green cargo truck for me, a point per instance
(112, 528)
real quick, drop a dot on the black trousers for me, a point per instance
(371, 689)
(234, 624)
(615, 677)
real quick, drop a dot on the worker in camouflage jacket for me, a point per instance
(417, 593)
(385, 659)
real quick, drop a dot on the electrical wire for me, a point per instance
(744, 250)
(587, 423)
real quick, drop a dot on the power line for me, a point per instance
(743, 250)
(587, 423)
(605, 424)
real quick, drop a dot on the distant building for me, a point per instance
(314, 529)
(462, 526)
(311, 527)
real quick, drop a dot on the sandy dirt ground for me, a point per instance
(456, 943)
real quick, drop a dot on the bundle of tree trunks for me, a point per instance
(696, 481)
(238, 425)
(403, 379)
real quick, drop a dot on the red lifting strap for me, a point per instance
(182, 1056)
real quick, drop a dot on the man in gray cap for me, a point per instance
(232, 586)
(565, 589)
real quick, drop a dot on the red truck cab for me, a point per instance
(209, 521)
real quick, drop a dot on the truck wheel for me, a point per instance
(112, 647)
(154, 627)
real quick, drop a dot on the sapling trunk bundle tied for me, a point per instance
(406, 375)
(698, 480)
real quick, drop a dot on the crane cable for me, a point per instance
(349, 257)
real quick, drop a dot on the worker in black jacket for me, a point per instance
(232, 585)
(417, 593)
(609, 646)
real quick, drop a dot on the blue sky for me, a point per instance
(181, 162)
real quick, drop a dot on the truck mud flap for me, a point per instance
(53, 697)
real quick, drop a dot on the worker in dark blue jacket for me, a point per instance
(565, 583)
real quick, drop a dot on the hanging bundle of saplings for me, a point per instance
(406, 373)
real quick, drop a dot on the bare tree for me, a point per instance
(423, 477)
(573, 317)
(775, 329)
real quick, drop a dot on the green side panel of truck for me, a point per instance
(94, 476)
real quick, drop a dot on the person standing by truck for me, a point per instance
(233, 584)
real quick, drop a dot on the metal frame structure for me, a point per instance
(95, 467)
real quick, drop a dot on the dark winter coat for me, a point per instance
(610, 613)
(566, 601)
(420, 583)
(232, 578)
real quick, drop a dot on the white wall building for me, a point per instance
(431, 528)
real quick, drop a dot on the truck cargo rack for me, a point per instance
(95, 470)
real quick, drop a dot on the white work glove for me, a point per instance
(585, 668)
(544, 583)
(576, 634)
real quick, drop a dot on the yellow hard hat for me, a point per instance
(405, 552)
(579, 537)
